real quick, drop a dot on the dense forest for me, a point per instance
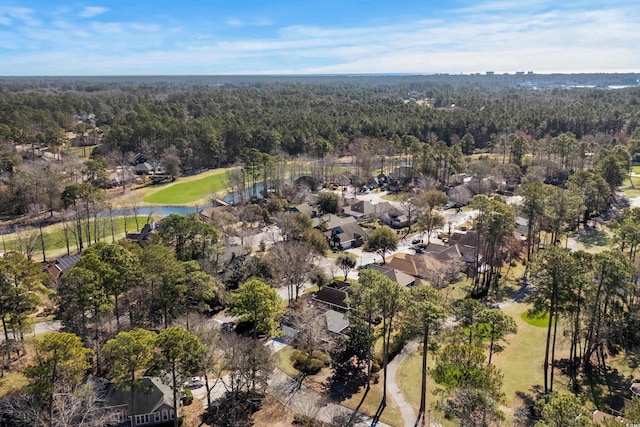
(209, 125)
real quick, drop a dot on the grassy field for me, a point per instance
(520, 362)
(409, 377)
(394, 197)
(186, 190)
(12, 381)
(54, 240)
(594, 240)
(82, 152)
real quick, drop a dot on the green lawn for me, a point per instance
(394, 197)
(521, 363)
(522, 360)
(284, 362)
(540, 321)
(183, 192)
(409, 376)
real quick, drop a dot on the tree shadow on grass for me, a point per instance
(346, 382)
(593, 237)
(233, 411)
(607, 389)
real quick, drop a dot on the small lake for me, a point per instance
(155, 210)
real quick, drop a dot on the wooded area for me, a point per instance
(534, 170)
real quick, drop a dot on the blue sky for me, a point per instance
(54, 37)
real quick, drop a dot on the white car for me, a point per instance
(194, 382)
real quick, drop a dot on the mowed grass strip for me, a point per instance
(189, 191)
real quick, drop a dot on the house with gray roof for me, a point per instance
(361, 210)
(153, 403)
(342, 232)
(336, 321)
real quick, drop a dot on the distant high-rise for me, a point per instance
(490, 73)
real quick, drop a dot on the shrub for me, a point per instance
(187, 399)
(309, 365)
(313, 367)
(322, 357)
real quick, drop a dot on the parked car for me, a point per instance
(419, 251)
(194, 382)
(416, 241)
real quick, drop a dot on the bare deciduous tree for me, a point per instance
(79, 407)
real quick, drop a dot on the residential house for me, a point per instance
(143, 238)
(153, 402)
(337, 322)
(466, 238)
(143, 169)
(361, 210)
(439, 267)
(341, 232)
(333, 296)
(218, 205)
(305, 208)
(122, 176)
(61, 266)
(397, 219)
(402, 278)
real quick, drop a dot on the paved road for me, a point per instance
(408, 415)
(39, 328)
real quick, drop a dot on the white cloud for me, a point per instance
(260, 22)
(543, 39)
(91, 11)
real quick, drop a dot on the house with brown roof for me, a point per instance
(400, 277)
(61, 266)
(467, 238)
(436, 268)
(218, 205)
